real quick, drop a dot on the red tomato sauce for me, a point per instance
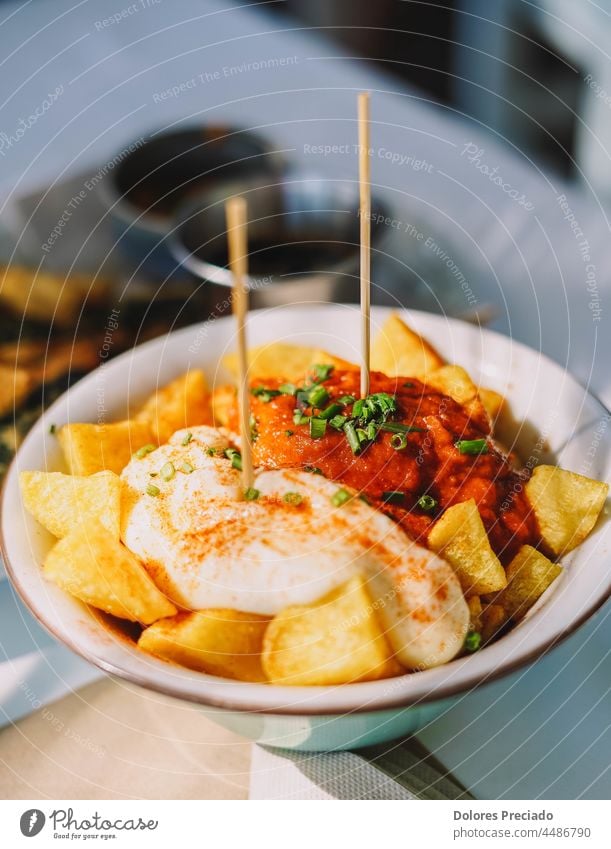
(429, 464)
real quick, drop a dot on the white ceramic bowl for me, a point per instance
(573, 424)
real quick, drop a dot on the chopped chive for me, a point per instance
(264, 394)
(152, 490)
(211, 452)
(313, 470)
(52, 429)
(362, 434)
(357, 410)
(427, 503)
(473, 641)
(351, 435)
(338, 422)
(187, 439)
(342, 496)
(293, 498)
(318, 396)
(289, 432)
(472, 446)
(322, 372)
(287, 389)
(142, 452)
(234, 456)
(330, 411)
(393, 496)
(398, 441)
(167, 471)
(397, 427)
(187, 468)
(318, 428)
(299, 418)
(345, 400)
(251, 494)
(372, 430)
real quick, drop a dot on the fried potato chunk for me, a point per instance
(460, 536)
(494, 403)
(566, 505)
(220, 642)
(184, 402)
(335, 641)
(92, 565)
(493, 618)
(224, 400)
(64, 502)
(456, 383)
(475, 610)
(529, 574)
(90, 448)
(281, 360)
(398, 351)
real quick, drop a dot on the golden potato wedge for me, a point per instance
(494, 617)
(281, 360)
(455, 382)
(224, 400)
(184, 402)
(460, 536)
(335, 641)
(220, 642)
(90, 448)
(566, 505)
(493, 402)
(15, 385)
(64, 502)
(528, 575)
(92, 565)
(397, 350)
(474, 604)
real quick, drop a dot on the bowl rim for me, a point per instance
(283, 706)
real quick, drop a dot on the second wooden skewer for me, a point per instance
(365, 220)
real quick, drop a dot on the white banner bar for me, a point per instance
(175, 824)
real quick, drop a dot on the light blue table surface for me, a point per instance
(543, 732)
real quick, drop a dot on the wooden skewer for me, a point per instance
(235, 213)
(365, 216)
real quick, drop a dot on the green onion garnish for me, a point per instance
(362, 434)
(234, 456)
(353, 440)
(322, 373)
(398, 441)
(472, 446)
(251, 494)
(473, 641)
(211, 452)
(372, 431)
(264, 394)
(393, 496)
(318, 396)
(313, 470)
(318, 428)
(397, 427)
(330, 411)
(187, 468)
(427, 503)
(357, 410)
(346, 399)
(167, 471)
(187, 439)
(292, 498)
(338, 422)
(299, 418)
(142, 452)
(153, 490)
(341, 497)
(287, 389)
(289, 432)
